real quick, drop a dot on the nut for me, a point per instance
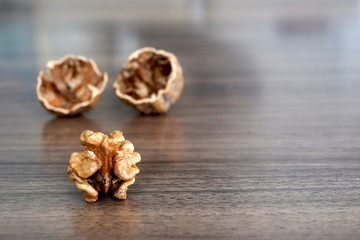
(150, 81)
(73, 87)
(105, 163)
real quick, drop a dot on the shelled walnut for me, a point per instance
(105, 163)
(74, 86)
(150, 81)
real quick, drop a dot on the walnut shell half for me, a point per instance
(106, 163)
(150, 81)
(74, 86)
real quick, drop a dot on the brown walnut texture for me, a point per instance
(106, 163)
(73, 86)
(151, 81)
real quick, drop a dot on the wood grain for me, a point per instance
(263, 144)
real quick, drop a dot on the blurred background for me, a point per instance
(263, 38)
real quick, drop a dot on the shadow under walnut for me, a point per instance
(106, 163)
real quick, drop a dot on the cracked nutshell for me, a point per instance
(106, 164)
(73, 86)
(150, 81)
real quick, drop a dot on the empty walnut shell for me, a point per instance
(106, 163)
(74, 86)
(150, 81)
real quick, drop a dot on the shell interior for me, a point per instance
(70, 82)
(145, 75)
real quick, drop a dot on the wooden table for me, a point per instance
(263, 144)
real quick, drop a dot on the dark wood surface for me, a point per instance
(263, 144)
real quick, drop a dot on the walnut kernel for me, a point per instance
(105, 163)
